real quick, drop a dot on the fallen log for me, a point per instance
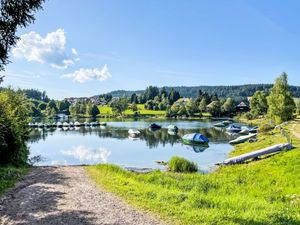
(255, 154)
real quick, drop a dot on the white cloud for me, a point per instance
(74, 51)
(50, 49)
(84, 154)
(82, 75)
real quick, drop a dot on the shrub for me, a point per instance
(266, 127)
(13, 127)
(182, 165)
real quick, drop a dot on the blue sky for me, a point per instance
(83, 48)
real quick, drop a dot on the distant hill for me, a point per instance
(234, 91)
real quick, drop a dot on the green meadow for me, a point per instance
(264, 191)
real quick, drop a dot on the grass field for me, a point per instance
(257, 193)
(107, 110)
(9, 176)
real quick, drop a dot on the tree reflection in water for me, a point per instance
(152, 138)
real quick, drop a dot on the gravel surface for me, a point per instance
(65, 195)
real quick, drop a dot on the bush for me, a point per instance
(182, 165)
(266, 127)
(13, 127)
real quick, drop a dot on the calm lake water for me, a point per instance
(111, 144)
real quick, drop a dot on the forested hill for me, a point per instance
(235, 91)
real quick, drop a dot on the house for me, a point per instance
(242, 107)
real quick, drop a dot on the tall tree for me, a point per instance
(280, 101)
(228, 107)
(14, 14)
(258, 103)
(119, 106)
(173, 96)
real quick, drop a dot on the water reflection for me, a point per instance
(112, 144)
(152, 138)
(87, 155)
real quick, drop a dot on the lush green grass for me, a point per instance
(107, 110)
(178, 164)
(260, 192)
(9, 176)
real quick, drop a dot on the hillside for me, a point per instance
(242, 91)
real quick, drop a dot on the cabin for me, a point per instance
(242, 107)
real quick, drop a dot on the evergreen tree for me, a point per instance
(258, 103)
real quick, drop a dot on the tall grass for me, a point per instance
(182, 165)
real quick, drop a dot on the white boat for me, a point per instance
(133, 132)
(77, 124)
(71, 124)
(59, 124)
(65, 124)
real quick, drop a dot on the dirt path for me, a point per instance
(295, 127)
(65, 195)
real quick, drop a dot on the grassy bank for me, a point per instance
(10, 175)
(107, 110)
(260, 192)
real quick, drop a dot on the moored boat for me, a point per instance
(59, 124)
(195, 138)
(65, 124)
(154, 126)
(77, 124)
(133, 132)
(242, 139)
(232, 128)
(173, 128)
(102, 123)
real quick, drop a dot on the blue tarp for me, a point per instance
(196, 137)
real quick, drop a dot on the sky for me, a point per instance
(84, 48)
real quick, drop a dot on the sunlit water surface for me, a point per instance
(111, 144)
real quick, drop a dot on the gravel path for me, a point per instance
(65, 195)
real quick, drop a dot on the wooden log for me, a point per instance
(254, 154)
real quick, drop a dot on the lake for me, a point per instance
(111, 144)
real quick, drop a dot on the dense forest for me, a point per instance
(242, 91)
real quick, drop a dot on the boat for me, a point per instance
(102, 123)
(93, 124)
(232, 128)
(244, 132)
(221, 124)
(77, 124)
(195, 138)
(253, 129)
(65, 124)
(256, 154)
(133, 132)
(59, 124)
(172, 128)
(242, 139)
(71, 124)
(40, 125)
(48, 125)
(154, 126)
(87, 124)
